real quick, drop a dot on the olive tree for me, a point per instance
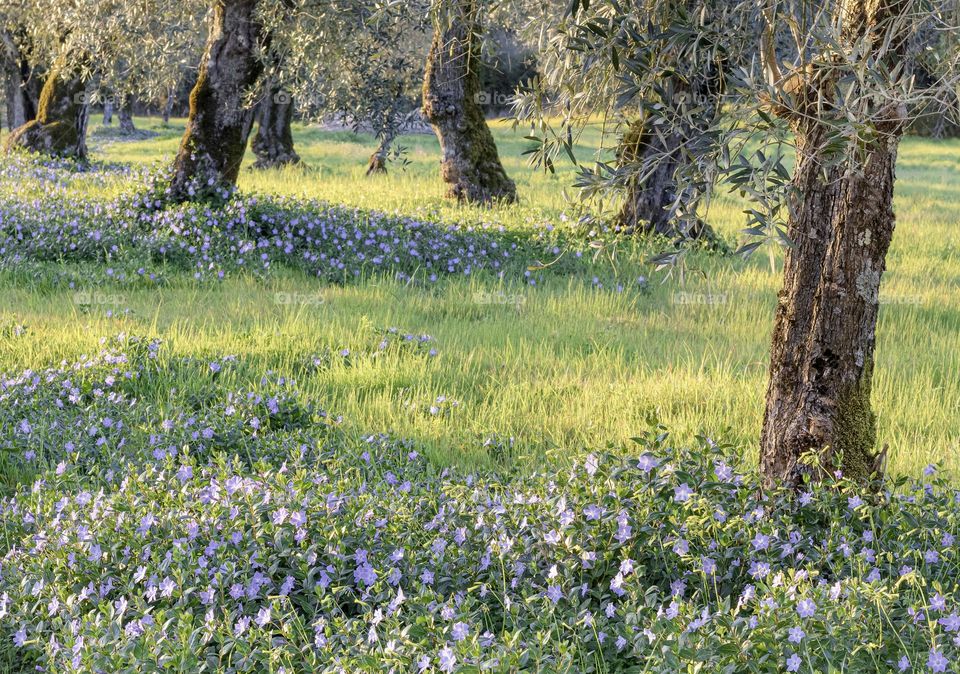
(470, 163)
(805, 124)
(81, 45)
(361, 65)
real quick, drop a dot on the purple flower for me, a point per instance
(806, 608)
(447, 660)
(460, 631)
(682, 493)
(936, 661)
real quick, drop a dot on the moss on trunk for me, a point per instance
(470, 163)
(218, 127)
(60, 127)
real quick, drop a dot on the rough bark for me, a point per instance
(378, 160)
(652, 158)
(647, 202)
(841, 224)
(60, 127)
(219, 123)
(451, 95)
(108, 112)
(273, 144)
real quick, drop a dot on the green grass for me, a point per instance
(567, 367)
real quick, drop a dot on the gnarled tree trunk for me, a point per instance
(219, 124)
(273, 144)
(652, 155)
(60, 127)
(108, 111)
(841, 224)
(451, 97)
(647, 203)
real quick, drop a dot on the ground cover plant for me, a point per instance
(247, 530)
(322, 490)
(528, 337)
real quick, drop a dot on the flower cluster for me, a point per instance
(137, 237)
(247, 531)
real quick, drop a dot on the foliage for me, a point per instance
(362, 63)
(766, 65)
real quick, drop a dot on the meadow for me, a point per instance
(336, 424)
(586, 351)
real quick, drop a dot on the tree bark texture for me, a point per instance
(822, 356)
(273, 144)
(655, 156)
(470, 164)
(219, 124)
(125, 116)
(647, 203)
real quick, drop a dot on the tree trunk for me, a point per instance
(647, 203)
(273, 144)
(219, 124)
(451, 95)
(108, 111)
(16, 74)
(652, 157)
(125, 114)
(60, 127)
(841, 225)
(168, 108)
(378, 160)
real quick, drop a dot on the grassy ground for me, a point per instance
(557, 367)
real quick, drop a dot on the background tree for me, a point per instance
(359, 64)
(470, 163)
(653, 72)
(19, 79)
(220, 119)
(273, 144)
(123, 49)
